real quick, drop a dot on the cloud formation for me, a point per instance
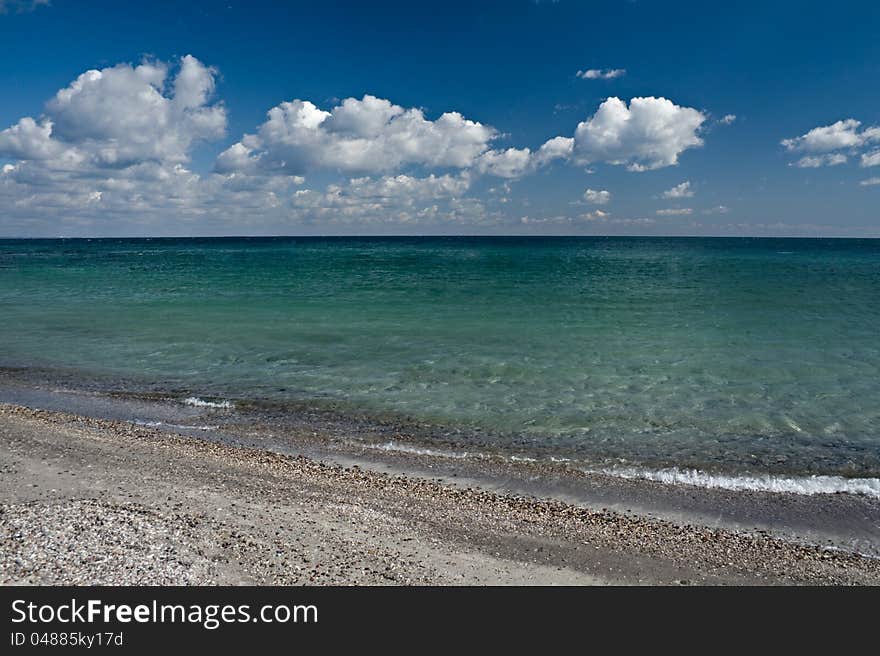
(824, 145)
(839, 135)
(649, 133)
(870, 159)
(682, 190)
(510, 163)
(601, 74)
(816, 161)
(120, 117)
(367, 135)
(676, 211)
(116, 145)
(597, 197)
(398, 199)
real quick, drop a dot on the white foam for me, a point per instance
(808, 485)
(403, 448)
(156, 424)
(201, 403)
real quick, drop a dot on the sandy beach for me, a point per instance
(94, 501)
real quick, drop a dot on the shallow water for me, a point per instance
(731, 355)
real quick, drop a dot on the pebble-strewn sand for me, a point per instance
(92, 501)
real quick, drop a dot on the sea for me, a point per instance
(740, 363)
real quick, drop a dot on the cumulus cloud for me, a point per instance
(842, 134)
(870, 182)
(816, 161)
(374, 136)
(553, 149)
(367, 135)
(727, 119)
(597, 197)
(823, 145)
(121, 116)
(601, 74)
(649, 133)
(677, 211)
(871, 159)
(682, 190)
(595, 215)
(718, 209)
(115, 144)
(400, 199)
(510, 163)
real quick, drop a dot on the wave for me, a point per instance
(156, 424)
(403, 448)
(807, 485)
(201, 403)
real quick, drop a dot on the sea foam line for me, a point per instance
(403, 448)
(156, 424)
(807, 485)
(201, 403)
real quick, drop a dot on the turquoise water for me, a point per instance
(741, 355)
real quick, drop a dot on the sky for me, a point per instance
(518, 117)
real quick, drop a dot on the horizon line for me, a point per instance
(436, 236)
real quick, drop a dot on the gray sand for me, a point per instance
(94, 501)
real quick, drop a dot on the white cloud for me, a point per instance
(727, 119)
(871, 159)
(719, 209)
(682, 190)
(601, 74)
(370, 135)
(650, 133)
(113, 147)
(677, 211)
(870, 182)
(30, 140)
(399, 199)
(555, 148)
(595, 215)
(510, 163)
(816, 161)
(823, 144)
(597, 197)
(842, 134)
(121, 116)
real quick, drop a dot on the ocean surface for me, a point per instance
(656, 357)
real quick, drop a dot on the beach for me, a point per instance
(96, 501)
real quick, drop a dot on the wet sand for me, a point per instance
(87, 500)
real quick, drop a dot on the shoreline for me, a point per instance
(90, 500)
(846, 521)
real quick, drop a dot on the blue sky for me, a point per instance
(718, 139)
